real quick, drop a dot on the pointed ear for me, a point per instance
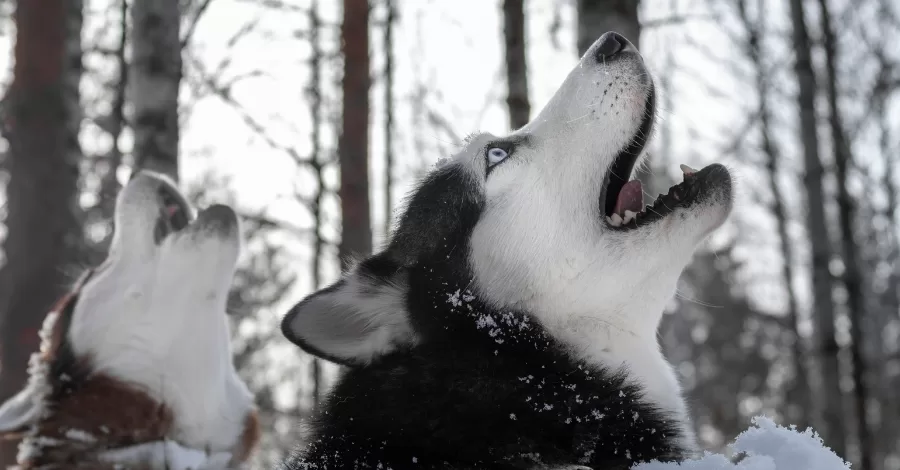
(20, 411)
(357, 319)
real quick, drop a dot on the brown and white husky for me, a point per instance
(135, 368)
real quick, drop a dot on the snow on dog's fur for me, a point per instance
(135, 367)
(511, 321)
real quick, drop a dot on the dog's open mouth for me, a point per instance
(174, 213)
(622, 200)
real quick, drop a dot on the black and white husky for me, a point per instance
(511, 321)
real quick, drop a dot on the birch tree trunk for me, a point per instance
(516, 64)
(353, 145)
(155, 77)
(44, 238)
(831, 399)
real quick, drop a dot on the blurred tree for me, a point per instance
(853, 276)
(155, 78)
(353, 146)
(798, 392)
(41, 121)
(596, 17)
(389, 20)
(109, 186)
(516, 64)
(317, 163)
(832, 428)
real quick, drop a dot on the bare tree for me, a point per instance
(155, 78)
(832, 428)
(798, 392)
(42, 116)
(109, 185)
(889, 299)
(353, 146)
(596, 17)
(390, 18)
(314, 91)
(853, 276)
(516, 68)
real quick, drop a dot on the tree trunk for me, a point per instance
(516, 68)
(853, 276)
(155, 78)
(353, 145)
(44, 236)
(109, 184)
(798, 392)
(831, 401)
(890, 298)
(596, 17)
(389, 20)
(314, 92)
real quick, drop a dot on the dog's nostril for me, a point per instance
(610, 44)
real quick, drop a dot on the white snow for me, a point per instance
(768, 446)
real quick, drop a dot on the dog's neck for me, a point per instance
(609, 343)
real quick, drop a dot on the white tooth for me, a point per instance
(609, 219)
(628, 216)
(686, 169)
(616, 220)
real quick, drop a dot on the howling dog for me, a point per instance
(135, 368)
(511, 320)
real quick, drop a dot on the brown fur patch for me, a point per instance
(50, 346)
(102, 413)
(249, 438)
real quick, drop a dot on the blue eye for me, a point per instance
(496, 155)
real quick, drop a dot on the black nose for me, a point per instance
(611, 43)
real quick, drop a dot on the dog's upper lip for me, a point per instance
(620, 171)
(174, 212)
(175, 207)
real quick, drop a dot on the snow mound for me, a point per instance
(767, 446)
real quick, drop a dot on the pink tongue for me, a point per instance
(631, 198)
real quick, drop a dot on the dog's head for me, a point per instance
(147, 328)
(545, 221)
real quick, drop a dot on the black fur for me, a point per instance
(482, 388)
